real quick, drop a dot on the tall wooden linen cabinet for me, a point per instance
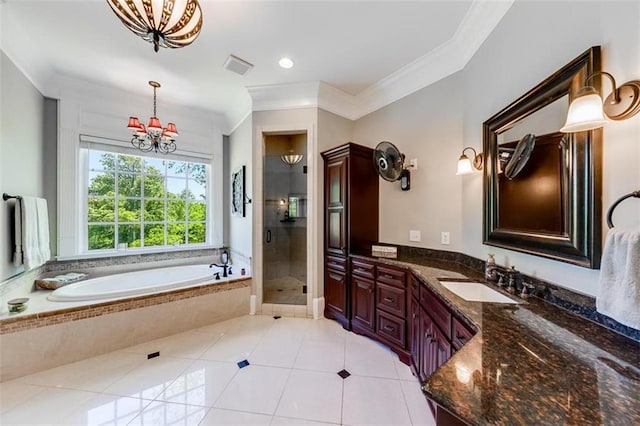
(350, 218)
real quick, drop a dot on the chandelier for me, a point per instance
(154, 137)
(165, 23)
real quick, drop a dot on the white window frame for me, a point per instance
(88, 143)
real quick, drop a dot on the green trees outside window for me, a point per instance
(144, 202)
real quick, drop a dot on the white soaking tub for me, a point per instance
(139, 283)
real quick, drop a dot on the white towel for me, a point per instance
(619, 290)
(17, 232)
(34, 233)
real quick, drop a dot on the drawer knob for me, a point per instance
(460, 337)
(388, 299)
(389, 328)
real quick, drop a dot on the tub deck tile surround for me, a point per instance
(531, 363)
(41, 319)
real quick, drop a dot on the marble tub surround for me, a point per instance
(38, 296)
(531, 363)
(22, 284)
(35, 342)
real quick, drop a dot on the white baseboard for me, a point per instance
(253, 304)
(318, 307)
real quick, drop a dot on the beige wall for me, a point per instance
(515, 58)
(435, 123)
(426, 125)
(21, 137)
(240, 232)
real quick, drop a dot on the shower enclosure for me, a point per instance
(285, 220)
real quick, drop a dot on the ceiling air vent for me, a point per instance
(237, 65)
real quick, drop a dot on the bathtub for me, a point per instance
(138, 283)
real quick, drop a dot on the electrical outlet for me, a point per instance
(445, 238)
(413, 163)
(415, 236)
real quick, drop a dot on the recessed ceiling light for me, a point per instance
(285, 63)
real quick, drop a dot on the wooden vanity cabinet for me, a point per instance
(391, 311)
(363, 301)
(350, 222)
(434, 332)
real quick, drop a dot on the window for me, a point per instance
(137, 201)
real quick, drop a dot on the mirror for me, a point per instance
(552, 207)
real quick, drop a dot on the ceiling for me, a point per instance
(350, 45)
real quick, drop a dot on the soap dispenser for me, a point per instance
(490, 268)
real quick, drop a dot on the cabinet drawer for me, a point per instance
(362, 268)
(460, 334)
(391, 299)
(337, 263)
(391, 276)
(436, 309)
(391, 328)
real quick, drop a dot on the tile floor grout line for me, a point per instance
(406, 403)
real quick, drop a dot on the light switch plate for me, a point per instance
(414, 236)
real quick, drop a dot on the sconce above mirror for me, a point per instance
(548, 202)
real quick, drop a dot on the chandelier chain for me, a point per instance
(154, 101)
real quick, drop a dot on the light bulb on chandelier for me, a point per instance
(153, 137)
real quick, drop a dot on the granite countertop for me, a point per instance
(531, 363)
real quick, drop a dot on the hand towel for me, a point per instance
(17, 233)
(35, 232)
(619, 291)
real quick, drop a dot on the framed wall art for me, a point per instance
(237, 192)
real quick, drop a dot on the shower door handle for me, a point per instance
(268, 236)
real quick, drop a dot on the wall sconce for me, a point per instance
(465, 166)
(588, 112)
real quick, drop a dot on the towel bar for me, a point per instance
(635, 194)
(7, 197)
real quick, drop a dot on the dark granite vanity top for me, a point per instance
(531, 363)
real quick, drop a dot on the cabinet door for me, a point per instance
(335, 292)
(335, 198)
(426, 345)
(435, 349)
(415, 334)
(363, 308)
(441, 348)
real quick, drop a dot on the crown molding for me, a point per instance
(446, 59)
(284, 96)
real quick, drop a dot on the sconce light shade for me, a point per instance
(588, 112)
(465, 166)
(585, 113)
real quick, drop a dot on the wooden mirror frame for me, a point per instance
(581, 239)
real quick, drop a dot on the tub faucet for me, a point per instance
(224, 268)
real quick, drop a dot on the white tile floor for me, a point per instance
(291, 380)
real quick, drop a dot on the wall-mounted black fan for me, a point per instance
(520, 156)
(389, 162)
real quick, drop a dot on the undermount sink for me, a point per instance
(476, 292)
